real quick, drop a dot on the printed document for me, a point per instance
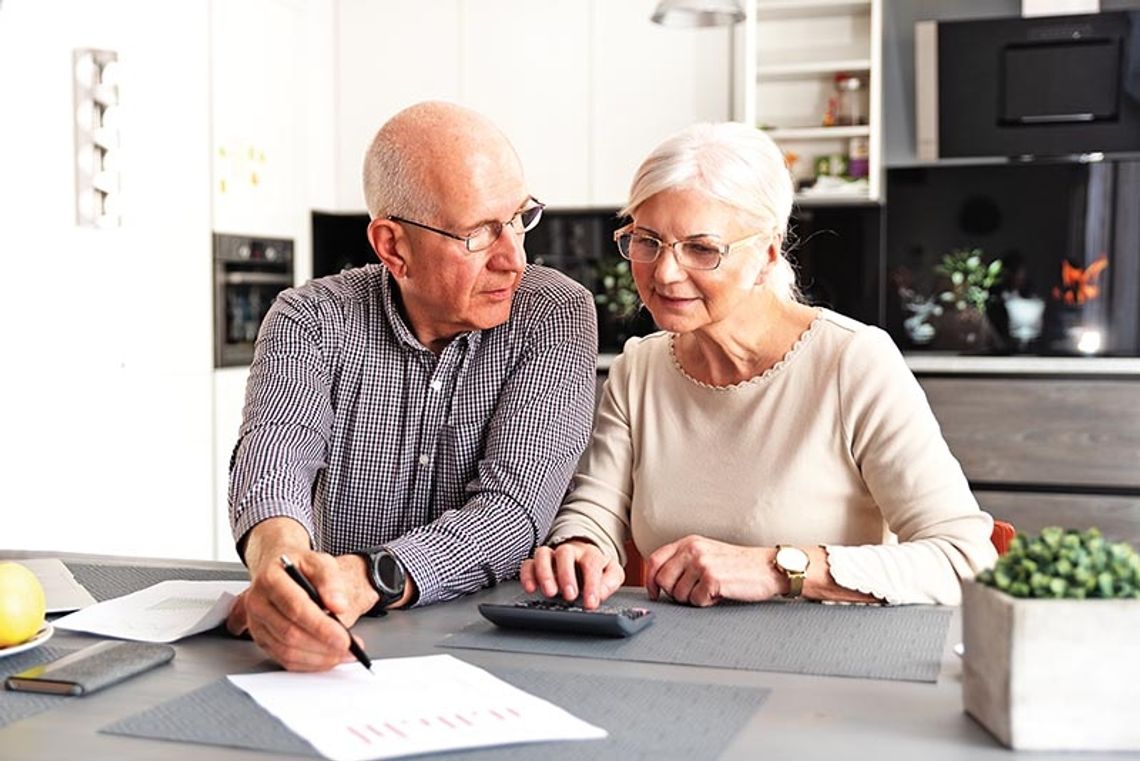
(62, 591)
(165, 612)
(426, 704)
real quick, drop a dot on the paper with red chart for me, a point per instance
(406, 706)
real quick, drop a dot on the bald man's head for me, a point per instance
(425, 153)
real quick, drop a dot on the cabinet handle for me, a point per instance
(257, 278)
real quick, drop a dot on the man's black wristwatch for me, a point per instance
(388, 578)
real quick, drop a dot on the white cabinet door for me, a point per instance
(229, 397)
(390, 55)
(526, 65)
(647, 82)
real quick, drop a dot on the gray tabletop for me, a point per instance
(804, 717)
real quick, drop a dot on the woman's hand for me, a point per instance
(701, 571)
(552, 570)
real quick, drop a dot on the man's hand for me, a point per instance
(278, 614)
(701, 571)
(558, 569)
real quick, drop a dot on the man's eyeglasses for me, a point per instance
(698, 253)
(484, 236)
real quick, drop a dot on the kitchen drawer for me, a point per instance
(1034, 431)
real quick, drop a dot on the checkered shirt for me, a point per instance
(457, 462)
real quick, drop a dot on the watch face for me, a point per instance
(792, 559)
(390, 574)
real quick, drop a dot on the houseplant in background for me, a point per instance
(969, 280)
(620, 313)
(1050, 633)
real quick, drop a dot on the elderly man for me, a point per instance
(411, 426)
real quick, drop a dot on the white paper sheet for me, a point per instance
(62, 591)
(165, 612)
(408, 705)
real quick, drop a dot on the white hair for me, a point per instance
(737, 165)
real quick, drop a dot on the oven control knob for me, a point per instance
(270, 254)
(243, 251)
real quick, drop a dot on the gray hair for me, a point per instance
(737, 165)
(393, 180)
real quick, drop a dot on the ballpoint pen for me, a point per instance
(296, 575)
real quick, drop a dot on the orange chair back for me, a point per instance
(1002, 535)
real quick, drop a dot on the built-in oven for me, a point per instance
(249, 272)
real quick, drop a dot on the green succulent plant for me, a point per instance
(1066, 563)
(970, 278)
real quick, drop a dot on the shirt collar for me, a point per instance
(389, 299)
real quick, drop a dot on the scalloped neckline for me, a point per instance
(789, 355)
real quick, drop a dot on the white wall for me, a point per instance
(107, 360)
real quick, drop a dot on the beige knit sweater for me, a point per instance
(835, 445)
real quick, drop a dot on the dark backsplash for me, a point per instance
(1067, 235)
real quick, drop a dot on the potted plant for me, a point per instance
(1050, 633)
(969, 280)
(620, 315)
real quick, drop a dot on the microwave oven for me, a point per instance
(1028, 87)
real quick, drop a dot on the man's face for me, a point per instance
(448, 289)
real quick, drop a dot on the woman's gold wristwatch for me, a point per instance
(794, 563)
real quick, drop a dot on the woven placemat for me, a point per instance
(903, 643)
(645, 718)
(106, 582)
(20, 705)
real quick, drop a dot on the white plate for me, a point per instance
(42, 636)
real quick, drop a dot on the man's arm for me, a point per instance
(282, 447)
(538, 430)
(286, 423)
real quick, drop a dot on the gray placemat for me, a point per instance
(20, 705)
(106, 582)
(903, 643)
(645, 718)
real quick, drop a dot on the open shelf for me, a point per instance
(788, 55)
(819, 133)
(784, 9)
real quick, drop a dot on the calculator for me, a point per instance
(561, 616)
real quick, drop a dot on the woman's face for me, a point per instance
(683, 300)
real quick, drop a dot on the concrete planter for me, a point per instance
(1052, 674)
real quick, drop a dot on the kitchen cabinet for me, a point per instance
(526, 66)
(647, 81)
(1044, 450)
(576, 86)
(789, 53)
(229, 396)
(390, 55)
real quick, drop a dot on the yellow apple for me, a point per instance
(21, 604)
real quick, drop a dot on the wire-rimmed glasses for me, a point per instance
(484, 236)
(700, 252)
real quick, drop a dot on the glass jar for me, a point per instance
(851, 100)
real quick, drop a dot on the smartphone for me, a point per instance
(91, 668)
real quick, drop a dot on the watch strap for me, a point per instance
(388, 595)
(795, 577)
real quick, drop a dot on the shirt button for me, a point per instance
(436, 385)
(424, 459)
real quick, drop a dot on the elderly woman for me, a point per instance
(756, 447)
